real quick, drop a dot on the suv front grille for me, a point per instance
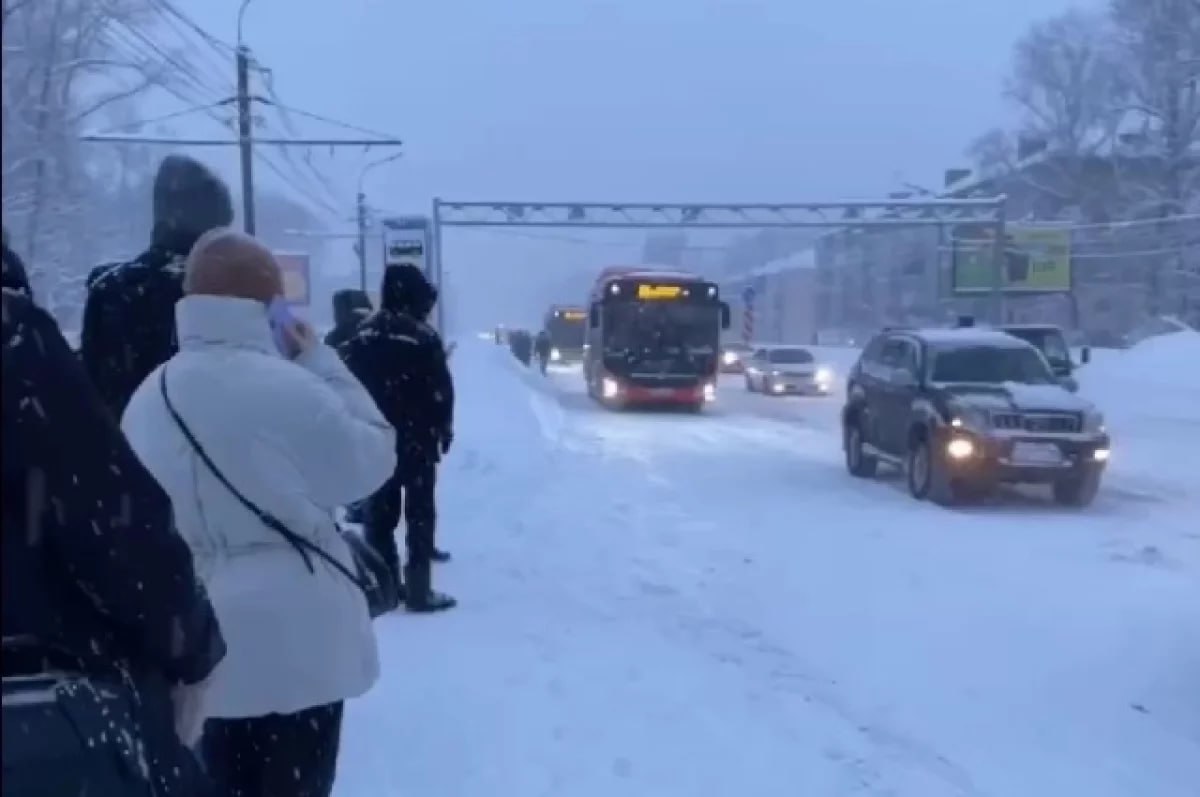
(1038, 422)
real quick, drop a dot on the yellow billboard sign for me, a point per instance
(1037, 259)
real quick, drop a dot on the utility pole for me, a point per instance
(362, 241)
(245, 137)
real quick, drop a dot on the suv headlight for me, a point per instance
(1093, 421)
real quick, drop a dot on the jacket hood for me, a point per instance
(406, 290)
(16, 278)
(189, 200)
(350, 306)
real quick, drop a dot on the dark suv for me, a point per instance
(1052, 343)
(962, 410)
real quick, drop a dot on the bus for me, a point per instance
(653, 338)
(565, 325)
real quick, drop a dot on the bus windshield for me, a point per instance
(565, 333)
(667, 328)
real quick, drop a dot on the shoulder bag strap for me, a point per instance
(302, 545)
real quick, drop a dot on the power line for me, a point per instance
(319, 118)
(217, 44)
(138, 123)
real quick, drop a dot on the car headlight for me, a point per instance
(960, 448)
(555, 355)
(776, 374)
(824, 375)
(1093, 421)
(729, 358)
(610, 388)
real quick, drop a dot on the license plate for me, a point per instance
(1036, 454)
(662, 392)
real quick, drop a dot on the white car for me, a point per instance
(782, 370)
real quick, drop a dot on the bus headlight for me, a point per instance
(555, 355)
(609, 388)
(710, 392)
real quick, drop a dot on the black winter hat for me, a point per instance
(189, 200)
(405, 289)
(350, 305)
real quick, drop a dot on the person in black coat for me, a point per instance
(542, 346)
(350, 307)
(129, 317)
(96, 585)
(16, 278)
(400, 360)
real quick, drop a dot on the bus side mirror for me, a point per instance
(724, 315)
(594, 316)
(1085, 355)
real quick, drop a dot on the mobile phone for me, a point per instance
(282, 321)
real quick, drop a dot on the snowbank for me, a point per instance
(541, 397)
(1158, 378)
(499, 411)
(1150, 395)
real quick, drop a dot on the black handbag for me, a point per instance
(372, 575)
(67, 733)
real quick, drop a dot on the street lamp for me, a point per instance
(361, 203)
(241, 18)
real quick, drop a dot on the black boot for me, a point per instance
(419, 597)
(440, 556)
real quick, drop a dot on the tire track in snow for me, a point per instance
(727, 639)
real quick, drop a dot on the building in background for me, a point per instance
(1068, 263)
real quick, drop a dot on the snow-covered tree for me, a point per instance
(1068, 85)
(1159, 42)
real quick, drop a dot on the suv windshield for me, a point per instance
(1050, 342)
(990, 365)
(789, 356)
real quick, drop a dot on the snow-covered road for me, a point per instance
(670, 605)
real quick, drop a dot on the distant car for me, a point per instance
(781, 370)
(1052, 343)
(733, 358)
(963, 410)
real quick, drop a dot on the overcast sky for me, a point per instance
(691, 100)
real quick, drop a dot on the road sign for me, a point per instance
(406, 241)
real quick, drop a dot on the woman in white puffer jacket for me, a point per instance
(294, 432)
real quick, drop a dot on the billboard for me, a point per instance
(1036, 260)
(296, 277)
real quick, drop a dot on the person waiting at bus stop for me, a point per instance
(542, 346)
(401, 361)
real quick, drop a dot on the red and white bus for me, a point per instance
(653, 338)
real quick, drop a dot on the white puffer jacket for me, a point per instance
(298, 439)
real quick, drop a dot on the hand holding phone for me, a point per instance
(292, 335)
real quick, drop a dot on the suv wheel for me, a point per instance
(858, 461)
(926, 479)
(918, 470)
(1079, 489)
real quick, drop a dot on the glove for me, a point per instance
(188, 701)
